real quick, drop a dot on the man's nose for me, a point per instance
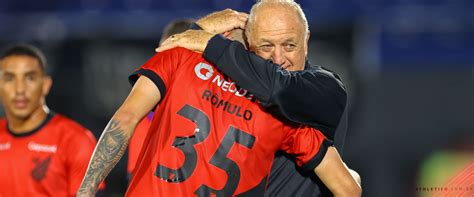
(20, 87)
(278, 56)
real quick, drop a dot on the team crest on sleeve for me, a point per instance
(203, 71)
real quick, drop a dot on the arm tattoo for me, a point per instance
(110, 148)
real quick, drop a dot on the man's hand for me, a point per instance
(354, 174)
(195, 40)
(336, 176)
(223, 21)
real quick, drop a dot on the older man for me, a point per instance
(312, 97)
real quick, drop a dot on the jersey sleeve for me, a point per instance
(314, 97)
(79, 151)
(307, 145)
(160, 68)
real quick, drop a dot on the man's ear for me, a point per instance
(306, 44)
(246, 42)
(47, 83)
(239, 35)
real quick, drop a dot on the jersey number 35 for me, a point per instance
(219, 159)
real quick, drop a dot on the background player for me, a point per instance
(136, 142)
(42, 153)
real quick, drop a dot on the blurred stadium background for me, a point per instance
(408, 66)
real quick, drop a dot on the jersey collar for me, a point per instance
(33, 131)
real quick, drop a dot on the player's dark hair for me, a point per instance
(27, 50)
(176, 26)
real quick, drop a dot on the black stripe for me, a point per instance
(152, 76)
(312, 163)
(24, 134)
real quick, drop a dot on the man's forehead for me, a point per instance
(20, 64)
(277, 25)
(275, 34)
(277, 39)
(270, 12)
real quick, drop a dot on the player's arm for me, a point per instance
(312, 151)
(336, 176)
(115, 137)
(299, 96)
(220, 22)
(354, 174)
(276, 89)
(314, 97)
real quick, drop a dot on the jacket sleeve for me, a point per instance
(314, 96)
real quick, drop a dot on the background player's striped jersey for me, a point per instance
(209, 136)
(136, 143)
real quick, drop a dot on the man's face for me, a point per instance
(278, 34)
(23, 85)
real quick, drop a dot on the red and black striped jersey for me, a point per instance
(51, 160)
(209, 136)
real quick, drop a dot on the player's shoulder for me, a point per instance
(71, 127)
(179, 53)
(182, 50)
(63, 120)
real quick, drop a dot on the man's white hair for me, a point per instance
(288, 3)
